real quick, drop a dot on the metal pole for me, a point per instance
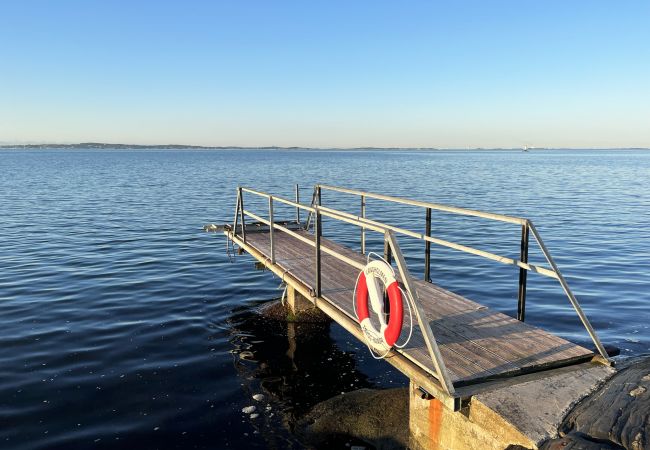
(429, 339)
(309, 216)
(427, 248)
(241, 215)
(378, 226)
(523, 257)
(318, 195)
(569, 293)
(297, 201)
(363, 230)
(451, 209)
(317, 234)
(234, 224)
(271, 229)
(387, 252)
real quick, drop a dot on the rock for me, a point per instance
(248, 409)
(277, 311)
(246, 355)
(619, 412)
(576, 441)
(379, 418)
(258, 397)
(638, 391)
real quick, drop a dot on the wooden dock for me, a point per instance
(458, 339)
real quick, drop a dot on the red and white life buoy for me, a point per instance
(375, 279)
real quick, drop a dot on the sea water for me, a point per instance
(124, 325)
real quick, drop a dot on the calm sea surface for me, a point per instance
(123, 325)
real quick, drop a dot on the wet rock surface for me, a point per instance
(277, 311)
(616, 416)
(577, 441)
(378, 418)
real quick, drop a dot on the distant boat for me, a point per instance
(525, 148)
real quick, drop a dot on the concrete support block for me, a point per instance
(432, 426)
(297, 302)
(523, 411)
(301, 309)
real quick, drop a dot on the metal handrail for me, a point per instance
(444, 243)
(317, 210)
(524, 266)
(308, 241)
(436, 206)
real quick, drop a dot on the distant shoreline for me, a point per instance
(106, 146)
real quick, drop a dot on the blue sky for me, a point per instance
(327, 74)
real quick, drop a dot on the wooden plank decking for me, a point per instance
(476, 343)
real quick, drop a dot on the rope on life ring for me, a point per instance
(373, 281)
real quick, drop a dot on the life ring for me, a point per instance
(376, 278)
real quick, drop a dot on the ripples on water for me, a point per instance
(123, 325)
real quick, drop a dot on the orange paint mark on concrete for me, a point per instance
(435, 421)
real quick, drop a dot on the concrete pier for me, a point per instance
(301, 309)
(525, 411)
(298, 303)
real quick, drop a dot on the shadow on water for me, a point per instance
(293, 365)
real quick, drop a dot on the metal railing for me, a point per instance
(391, 248)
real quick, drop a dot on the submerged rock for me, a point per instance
(277, 311)
(377, 417)
(248, 356)
(618, 414)
(248, 409)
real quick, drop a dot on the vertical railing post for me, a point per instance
(318, 195)
(388, 255)
(427, 247)
(271, 229)
(311, 214)
(363, 230)
(297, 201)
(523, 257)
(234, 223)
(317, 236)
(241, 214)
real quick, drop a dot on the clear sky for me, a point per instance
(327, 74)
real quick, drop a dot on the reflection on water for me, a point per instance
(293, 365)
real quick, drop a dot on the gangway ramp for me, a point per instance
(458, 345)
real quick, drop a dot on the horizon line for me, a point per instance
(293, 147)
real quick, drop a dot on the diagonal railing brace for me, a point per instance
(429, 339)
(569, 293)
